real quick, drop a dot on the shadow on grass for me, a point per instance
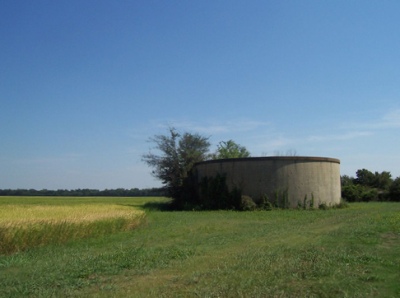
(152, 206)
(158, 206)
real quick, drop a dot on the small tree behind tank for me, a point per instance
(230, 149)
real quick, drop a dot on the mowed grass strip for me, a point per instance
(26, 226)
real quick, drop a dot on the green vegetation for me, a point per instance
(394, 190)
(352, 252)
(368, 186)
(215, 195)
(281, 199)
(177, 154)
(230, 149)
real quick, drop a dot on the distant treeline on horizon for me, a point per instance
(119, 192)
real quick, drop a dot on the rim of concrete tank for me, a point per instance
(266, 158)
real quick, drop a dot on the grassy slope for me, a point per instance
(351, 252)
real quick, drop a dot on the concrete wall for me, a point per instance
(297, 175)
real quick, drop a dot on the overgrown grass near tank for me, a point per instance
(352, 252)
(31, 222)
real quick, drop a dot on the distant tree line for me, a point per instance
(119, 192)
(368, 186)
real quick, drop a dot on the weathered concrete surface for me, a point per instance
(297, 176)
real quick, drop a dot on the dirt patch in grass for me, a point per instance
(390, 240)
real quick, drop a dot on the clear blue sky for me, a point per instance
(84, 84)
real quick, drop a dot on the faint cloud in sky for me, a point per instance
(391, 119)
(337, 137)
(215, 127)
(269, 145)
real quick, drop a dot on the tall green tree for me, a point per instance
(383, 180)
(175, 157)
(230, 149)
(378, 180)
(365, 177)
(394, 190)
(346, 180)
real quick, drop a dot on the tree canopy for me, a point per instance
(377, 180)
(175, 158)
(369, 186)
(230, 149)
(394, 190)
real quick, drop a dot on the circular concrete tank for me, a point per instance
(288, 179)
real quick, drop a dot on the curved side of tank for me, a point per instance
(285, 180)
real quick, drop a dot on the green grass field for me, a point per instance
(353, 252)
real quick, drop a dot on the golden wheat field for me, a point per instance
(26, 226)
(25, 215)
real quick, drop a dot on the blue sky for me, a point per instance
(84, 84)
